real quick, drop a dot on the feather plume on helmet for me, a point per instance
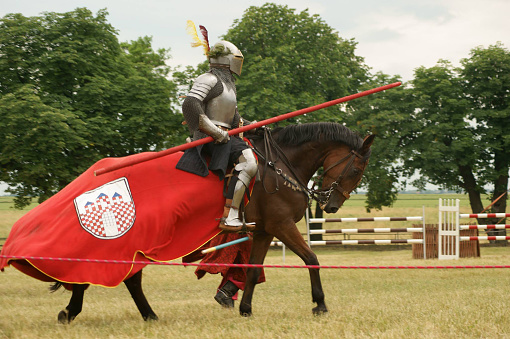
(197, 42)
(223, 54)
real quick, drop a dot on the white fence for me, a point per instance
(449, 228)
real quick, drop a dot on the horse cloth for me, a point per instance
(236, 254)
(146, 212)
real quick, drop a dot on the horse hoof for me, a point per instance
(245, 311)
(319, 310)
(63, 317)
(151, 317)
(245, 314)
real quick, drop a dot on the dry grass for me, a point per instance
(455, 303)
(362, 303)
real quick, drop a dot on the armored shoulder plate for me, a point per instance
(202, 86)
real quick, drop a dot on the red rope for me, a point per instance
(247, 265)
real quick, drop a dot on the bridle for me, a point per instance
(323, 195)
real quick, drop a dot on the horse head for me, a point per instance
(343, 170)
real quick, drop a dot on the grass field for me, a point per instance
(440, 303)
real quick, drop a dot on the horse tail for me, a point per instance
(55, 286)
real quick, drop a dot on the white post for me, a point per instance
(448, 229)
(307, 219)
(424, 236)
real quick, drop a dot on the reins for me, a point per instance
(322, 195)
(269, 144)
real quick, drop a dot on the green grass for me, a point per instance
(441, 303)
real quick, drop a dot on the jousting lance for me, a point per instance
(230, 243)
(150, 156)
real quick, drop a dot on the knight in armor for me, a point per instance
(210, 109)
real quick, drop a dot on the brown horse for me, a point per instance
(288, 158)
(344, 157)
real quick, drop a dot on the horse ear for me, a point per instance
(367, 142)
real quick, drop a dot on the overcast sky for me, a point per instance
(394, 36)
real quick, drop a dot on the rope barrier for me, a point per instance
(164, 263)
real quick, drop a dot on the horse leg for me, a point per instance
(291, 237)
(260, 245)
(134, 285)
(75, 304)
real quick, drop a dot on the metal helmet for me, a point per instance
(226, 54)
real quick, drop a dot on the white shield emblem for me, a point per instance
(107, 212)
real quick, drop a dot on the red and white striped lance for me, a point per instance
(494, 237)
(322, 220)
(485, 215)
(368, 230)
(484, 227)
(360, 242)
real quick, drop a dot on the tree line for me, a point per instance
(71, 94)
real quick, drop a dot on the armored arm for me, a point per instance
(193, 107)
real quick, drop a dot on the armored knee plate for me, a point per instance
(247, 166)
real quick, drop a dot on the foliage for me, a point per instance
(70, 94)
(218, 51)
(292, 61)
(439, 130)
(486, 82)
(184, 79)
(459, 137)
(383, 114)
(447, 127)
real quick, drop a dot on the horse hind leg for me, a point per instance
(75, 304)
(134, 285)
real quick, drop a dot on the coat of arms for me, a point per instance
(107, 212)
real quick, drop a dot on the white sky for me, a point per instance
(394, 36)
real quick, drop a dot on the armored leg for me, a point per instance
(247, 168)
(225, 294)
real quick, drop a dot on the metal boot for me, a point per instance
(233, 218)
(225, 294)
(247, 169)
(231, 221)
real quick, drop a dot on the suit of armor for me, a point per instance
(210, 109)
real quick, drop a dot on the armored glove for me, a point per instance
(206, 126)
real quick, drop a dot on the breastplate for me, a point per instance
(221, 109)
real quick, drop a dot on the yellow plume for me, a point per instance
(192, 30)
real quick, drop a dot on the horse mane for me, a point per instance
(295, 135)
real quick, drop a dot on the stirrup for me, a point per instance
(245, 228)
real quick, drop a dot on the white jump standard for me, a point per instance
(449, 228)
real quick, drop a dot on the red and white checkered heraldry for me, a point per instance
(107, 212)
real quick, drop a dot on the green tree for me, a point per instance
(441, 143)
(292, 61)
(295, 60)
(486, 82)
(458, 138)
(382, 114)
(70, 94)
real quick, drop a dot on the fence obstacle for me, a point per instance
(365, 231)
(449, 228)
